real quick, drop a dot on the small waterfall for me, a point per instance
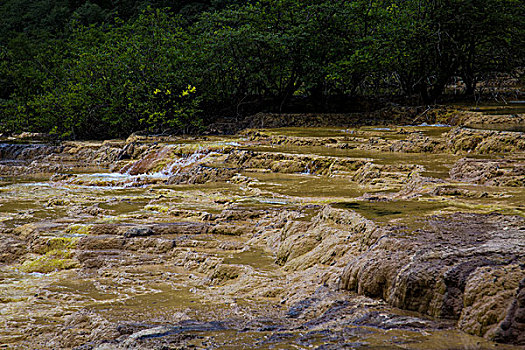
(172, 159)
(167, 160)
(147, 163)
(158, 164)
(184, 162)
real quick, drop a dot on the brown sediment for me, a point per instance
(365, 237)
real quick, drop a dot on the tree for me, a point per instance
(120, 80)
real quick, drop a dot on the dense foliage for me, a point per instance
(104, 68)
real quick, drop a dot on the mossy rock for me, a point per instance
(156, 207)
(54, 260)
(78, 229)
(55, 244)
(62, 243)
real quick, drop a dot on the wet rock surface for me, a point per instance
(335, 237)
(450, 271)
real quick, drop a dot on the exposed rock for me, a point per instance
(258, 246)
(128, 230)
(296, 163)
(460, 140)
(487, 121)
(224, 272)
(492, 172)
(512, 328)
(23, 159)
(439, 270)
(138, 232)
(416, 143)
(11, 249)
(488, 300)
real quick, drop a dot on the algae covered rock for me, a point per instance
(53, 260)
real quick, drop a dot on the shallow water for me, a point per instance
(513, 111)
(499, 127)
(384, 211)
(518, 108)
(229, 275)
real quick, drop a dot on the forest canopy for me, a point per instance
(107, 68)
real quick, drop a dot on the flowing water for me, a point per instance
(179, 247)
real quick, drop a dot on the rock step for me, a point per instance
(129, 230)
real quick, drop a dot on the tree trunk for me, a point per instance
(470, 85)
(423, 93)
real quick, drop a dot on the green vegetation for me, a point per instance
(101, 68)
(56, 255)
(50, 262)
